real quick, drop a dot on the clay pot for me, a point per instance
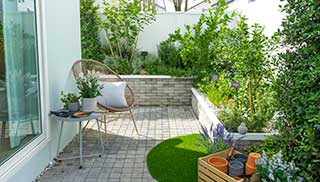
(250, 169)
(237, 178)
(252, 157)
(235, 168)
(240, 157)
(219, 163)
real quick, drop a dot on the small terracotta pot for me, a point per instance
(219, 163)
(250, 169)
(252, 157)
(237, 178)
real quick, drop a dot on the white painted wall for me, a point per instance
(160, 29)
(264, 12)
(61, 25)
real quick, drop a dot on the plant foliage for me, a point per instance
(122, 24)
(88, 85)
(298, 86)
(68, 98)
(90, 22)
(214, 139)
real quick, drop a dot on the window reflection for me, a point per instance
(19, 83)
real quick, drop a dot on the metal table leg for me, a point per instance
(59, 142)
(80, 136)
(81, 156)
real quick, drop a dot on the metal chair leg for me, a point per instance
(134, 121)
(85, 127)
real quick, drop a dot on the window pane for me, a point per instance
(19, 83)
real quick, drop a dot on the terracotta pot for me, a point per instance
(252, 157)
(240, 157)
(250, 169)
(235, 168)
(219, 163)
(237, 178)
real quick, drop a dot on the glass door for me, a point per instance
(19, 81)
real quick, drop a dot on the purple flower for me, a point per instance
(216, 139)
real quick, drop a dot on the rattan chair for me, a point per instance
(106, 74)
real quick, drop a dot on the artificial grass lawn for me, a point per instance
(175, 159)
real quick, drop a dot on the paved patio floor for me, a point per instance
(125, 157)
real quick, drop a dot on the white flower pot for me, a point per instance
(89, 104)
(73, 107)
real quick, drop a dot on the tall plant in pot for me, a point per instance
(89, 90)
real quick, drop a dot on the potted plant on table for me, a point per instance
(89, 88)
(70, 101)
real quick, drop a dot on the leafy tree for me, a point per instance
(122, 25)
(90, 22)
(298, 86)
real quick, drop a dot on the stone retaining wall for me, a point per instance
(159, 90)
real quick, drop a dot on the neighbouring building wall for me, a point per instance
(62, 28)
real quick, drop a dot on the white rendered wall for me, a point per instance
(264, 12)
(160, 29)
(61, 22)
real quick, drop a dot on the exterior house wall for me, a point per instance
(59, 21)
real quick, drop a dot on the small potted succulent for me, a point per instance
(70, 101)
(89, 88)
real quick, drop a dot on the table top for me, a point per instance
(74, 119)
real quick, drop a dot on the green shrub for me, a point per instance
(169, 55)
(297, 86)
(270, 146)
(220, 91)
(124, 66)
(90, 22)
(231, 118)
(155, 67)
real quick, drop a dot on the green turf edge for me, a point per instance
(175, 159)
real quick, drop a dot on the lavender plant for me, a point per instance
(277, 170)
(215, 139)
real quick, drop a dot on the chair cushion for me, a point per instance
(113, 94)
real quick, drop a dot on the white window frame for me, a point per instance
(29, 151)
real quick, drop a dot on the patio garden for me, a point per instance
(271, 84)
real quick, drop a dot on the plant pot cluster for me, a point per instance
(238, 166)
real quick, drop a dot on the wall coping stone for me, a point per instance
(149, 76)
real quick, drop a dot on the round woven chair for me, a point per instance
(105, 74)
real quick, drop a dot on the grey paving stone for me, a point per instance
(125, 156)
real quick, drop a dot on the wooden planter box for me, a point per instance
(208, 173)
